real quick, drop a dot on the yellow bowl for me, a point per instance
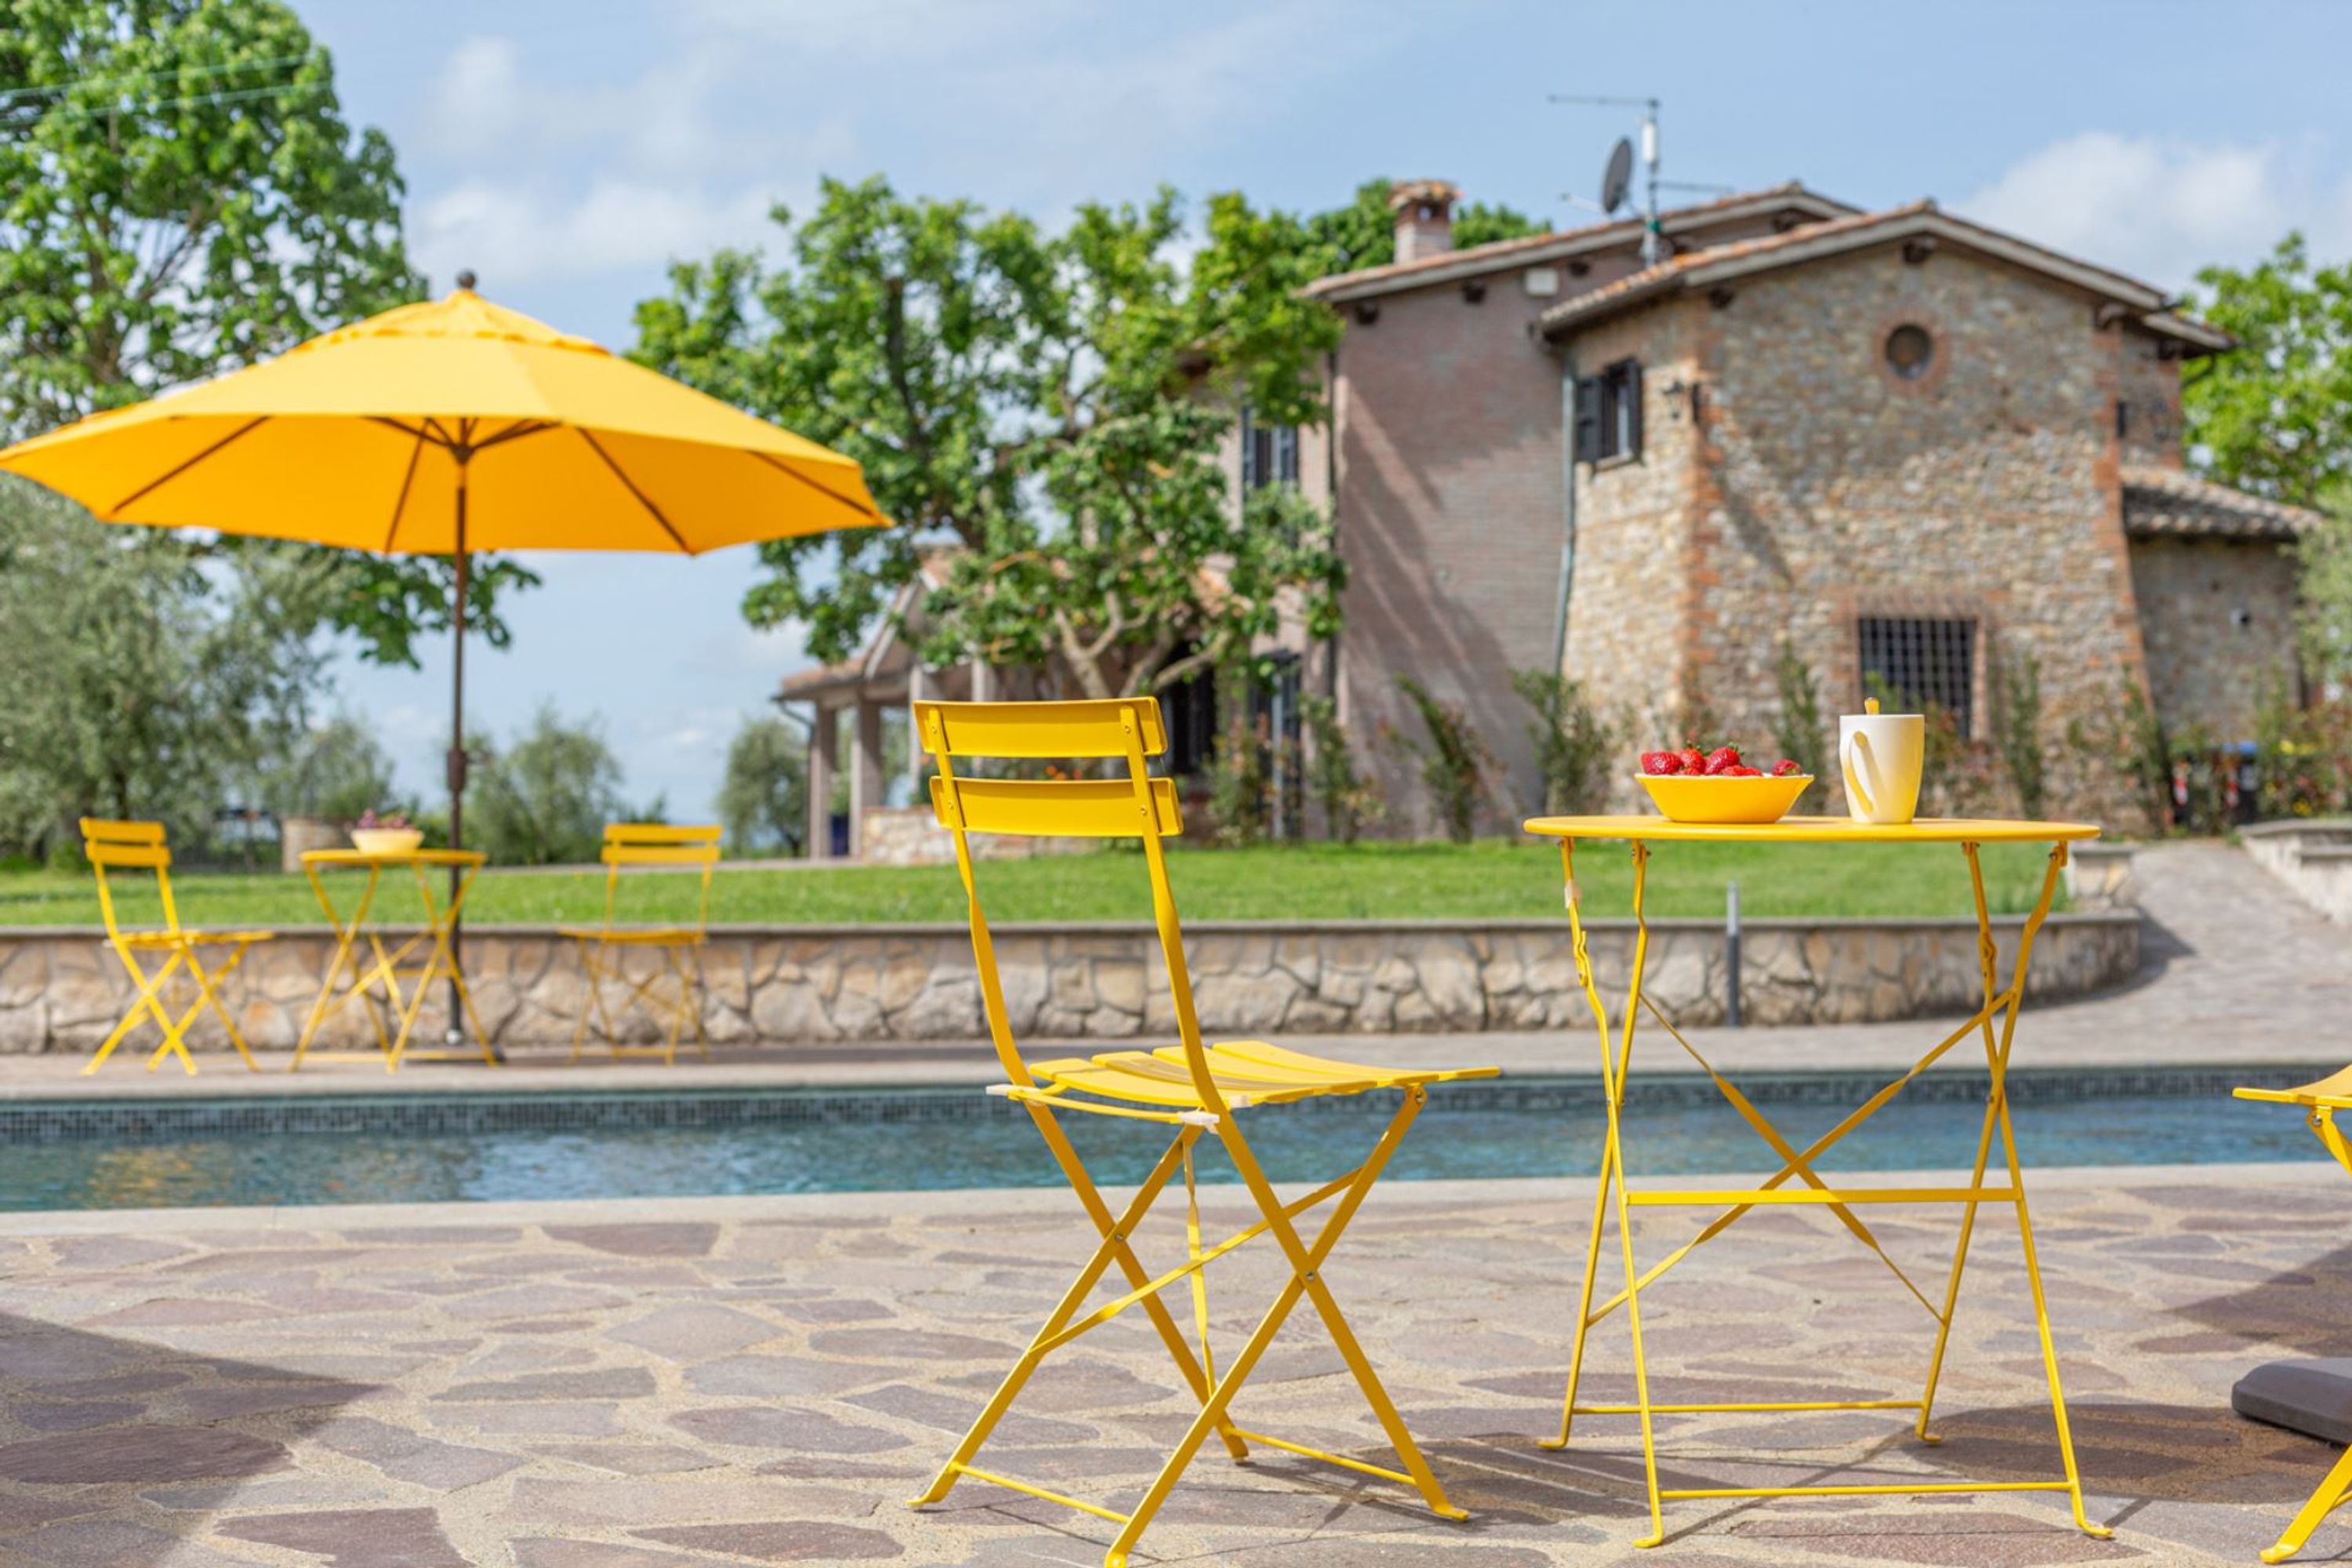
(1682, 798)
(387, 840)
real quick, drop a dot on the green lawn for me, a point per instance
(1491, 881)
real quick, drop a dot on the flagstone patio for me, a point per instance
(692, 1383)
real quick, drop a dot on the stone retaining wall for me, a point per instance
(61, 989)
(2313, 858)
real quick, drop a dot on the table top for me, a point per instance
(1814, 830)
(361, 858)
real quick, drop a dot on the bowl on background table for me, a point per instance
(387, 840)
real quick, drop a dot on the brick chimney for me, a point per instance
(1425, 218)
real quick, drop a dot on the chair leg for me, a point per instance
(205, 983)
(2333, 1493)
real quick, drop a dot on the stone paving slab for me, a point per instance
(686, 1382)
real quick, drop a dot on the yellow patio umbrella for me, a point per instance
(444, 428)
(449, 428)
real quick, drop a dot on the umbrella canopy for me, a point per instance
(395, 434)
(444, 428)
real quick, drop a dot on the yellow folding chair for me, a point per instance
(140, 846)
(1192, 1087)
(2320, 1103)
(604, 950)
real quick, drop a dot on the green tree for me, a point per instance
(544, 800)
(1053, 406)
(335, 772)
(183, 197)
(1363, 231)
(136, 680)
(1455, 762)
(2275, 416)
(2323, 558)
(763, 799)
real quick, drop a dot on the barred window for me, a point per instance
(1917, 664)
(1269, 454)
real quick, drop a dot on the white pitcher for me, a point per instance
(1881, 755)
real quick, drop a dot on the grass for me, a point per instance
(1497, 879)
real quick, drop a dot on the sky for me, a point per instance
(569, 152)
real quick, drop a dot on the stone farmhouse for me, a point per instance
(1911, 448)
(1906, 445)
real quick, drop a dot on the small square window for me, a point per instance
(1608, 413)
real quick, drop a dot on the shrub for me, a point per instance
(1803, 738)
(763, 798)
(1349, 802)
(1241, 796)
(544, 800)
(1572, 741)
(2017, 731)
(1453, 763)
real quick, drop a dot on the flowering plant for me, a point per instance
(369, 822)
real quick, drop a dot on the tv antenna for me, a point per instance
(1616, 178)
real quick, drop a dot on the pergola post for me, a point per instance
(865, 772)
(824, 758)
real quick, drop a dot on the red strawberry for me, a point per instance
(1661, 763)
(1693, 759)
(1723, 759)
(1742, 771)
(1784, 768)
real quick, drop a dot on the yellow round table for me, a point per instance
(1995, 1023)
(348, 978)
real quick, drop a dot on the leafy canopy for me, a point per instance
(763, 798)
(1053, 407)
(180, 195)
(1363, 233)
(2274, 416)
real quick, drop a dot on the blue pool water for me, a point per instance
(681, 1143)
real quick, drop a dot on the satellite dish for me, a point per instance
(1618, 178)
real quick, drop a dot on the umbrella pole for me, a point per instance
(456, 768)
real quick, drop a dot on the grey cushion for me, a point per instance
(2313, 1397)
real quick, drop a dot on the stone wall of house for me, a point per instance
(2218, 616)
(1828, 488)
(62, 990)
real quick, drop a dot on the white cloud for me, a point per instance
(510, 232)
(2160, 208)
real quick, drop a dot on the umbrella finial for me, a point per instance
(466, 279)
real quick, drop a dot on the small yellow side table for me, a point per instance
(1995, 1022)
(352, 977)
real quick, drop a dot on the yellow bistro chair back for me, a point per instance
(113, 846)
(2319, 1101)
(1194, 1089)
(670, 987)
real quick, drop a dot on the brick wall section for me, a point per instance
(1450, 518)
(2151, 386)
(2203, 669)
(1829, 488)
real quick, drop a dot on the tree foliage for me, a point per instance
(1363, 233)
(544, 799)
(2274, 416)
(335, 772)
(137, 679)
(182, 197)
(763, 799)
(1050, 406)
(2325, 558)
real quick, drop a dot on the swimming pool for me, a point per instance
(325, 1148)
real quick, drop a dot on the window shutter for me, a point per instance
(1632, 405)
(1286, 441)
(1588, 419)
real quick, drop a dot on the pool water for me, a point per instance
(686, 1145)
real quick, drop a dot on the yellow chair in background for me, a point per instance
(603, 949)
(140, 846)
(2320, 1103)
(1192, 1088)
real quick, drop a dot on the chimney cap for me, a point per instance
(1439, 194)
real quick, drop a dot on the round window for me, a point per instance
(1909, 351)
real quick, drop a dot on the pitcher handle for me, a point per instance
(1855, 768)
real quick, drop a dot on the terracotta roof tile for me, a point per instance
(2169, 502)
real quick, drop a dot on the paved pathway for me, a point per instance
(698, 1383)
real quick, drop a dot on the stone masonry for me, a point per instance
(63, 991)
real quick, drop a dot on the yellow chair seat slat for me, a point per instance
(1247, 1072)
(654, 936)
(2333, 1092)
